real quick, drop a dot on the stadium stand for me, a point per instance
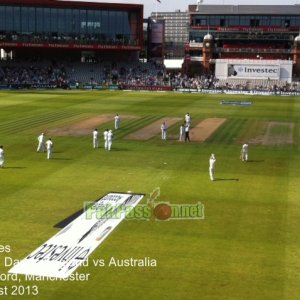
(31, 73)
(26, 74)
(110, 72)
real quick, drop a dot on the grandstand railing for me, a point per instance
(260, 50)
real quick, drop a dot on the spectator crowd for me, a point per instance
(132, 73)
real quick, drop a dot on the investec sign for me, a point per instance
(254, 71)
(64, 252)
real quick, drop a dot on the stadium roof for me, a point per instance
(71, 4)
(245, 9)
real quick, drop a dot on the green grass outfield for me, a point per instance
(248, 245)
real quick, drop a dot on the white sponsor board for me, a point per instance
(64, 252)
(253, 71)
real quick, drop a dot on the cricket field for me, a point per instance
(245, 243)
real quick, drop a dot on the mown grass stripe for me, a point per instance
(228, 132)
(40, 116)
(234, 132)
(22, 125)
(41, 119)
(136, 125)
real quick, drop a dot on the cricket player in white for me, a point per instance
(49, 146)
(163, 128)
(117, 121)
(41, 145)
(109, 139)
(244, 152)
(181, 133)
(105, 133)
(187, 119)
(95, 139)
(1, 157)
(212, 162)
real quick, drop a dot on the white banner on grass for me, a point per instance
(64, 252)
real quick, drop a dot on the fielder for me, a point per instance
(187, 119)
(163, 129)
(181, 133)
(109, 139)
(95, 139)
(41, 145)
(105, 133)
(49, 146)
(212, 162)
(244, 152)
(1, 157)
(117, 121)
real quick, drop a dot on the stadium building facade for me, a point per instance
(243, 32)
(78, 30)
(176, 32)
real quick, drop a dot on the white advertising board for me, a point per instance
(253, 71)
(70, 247)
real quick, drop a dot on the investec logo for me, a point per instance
(258, 70)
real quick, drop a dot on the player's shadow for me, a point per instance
(60, 158)
(226, 179)
(117, 149)
(14, 168)
(255, 160)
